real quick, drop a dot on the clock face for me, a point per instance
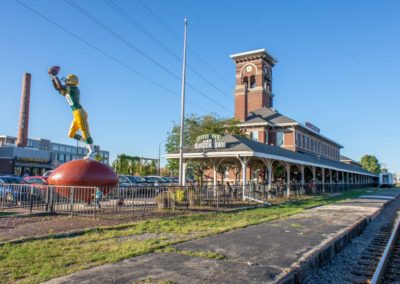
(249, 68)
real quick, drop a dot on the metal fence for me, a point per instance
(118, 200)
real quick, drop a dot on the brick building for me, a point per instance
(39, 155)
(278, 149)
(263, 123)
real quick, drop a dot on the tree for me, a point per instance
(195, 126)
(371, 164)
(98, 157)
(124, 165)
(133, 165)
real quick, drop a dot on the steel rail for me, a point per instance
(380, 270)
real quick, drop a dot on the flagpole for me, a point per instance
(181, 177)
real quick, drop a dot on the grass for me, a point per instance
(40, 260)
(6, 214)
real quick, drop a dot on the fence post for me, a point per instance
(71, 200)
(217, 198)
(134, 192)
(96, 202)
(47, 198)
(31, 200)
(2, 199)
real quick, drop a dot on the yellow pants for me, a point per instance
(80, 123)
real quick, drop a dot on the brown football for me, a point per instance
(53, 70)
(81, 177)
(83, 173)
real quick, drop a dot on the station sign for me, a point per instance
(209, 141)
(312, 127)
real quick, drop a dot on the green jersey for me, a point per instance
(71, 93)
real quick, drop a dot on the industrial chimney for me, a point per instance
(22, 139)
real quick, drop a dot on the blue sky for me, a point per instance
(338, 67)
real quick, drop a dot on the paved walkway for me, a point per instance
(256, 254)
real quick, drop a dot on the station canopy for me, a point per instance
(238, 147)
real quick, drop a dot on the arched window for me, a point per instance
(246, 81)
(252, 81)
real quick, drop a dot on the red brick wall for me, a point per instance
(255, 100)
(240, 107)
(288, 138)
(261, 136)
(250, 99)
(22, 139)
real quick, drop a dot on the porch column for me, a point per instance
(323, 179)
(244, 175)
(348, 178)
(268, 163)
(314, 176)
(215, 176)
(287, 166)
(302, 175)
(330, 176)
(184, 163)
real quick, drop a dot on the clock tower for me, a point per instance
(253, 88)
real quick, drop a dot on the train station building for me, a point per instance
(276, 148)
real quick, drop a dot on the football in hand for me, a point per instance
(54, 70)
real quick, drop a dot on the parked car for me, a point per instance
(124, 181)
(47, 174)
(156, 180)
(171, 180)
(137, 180)
(10, 192)
(10, 179)
(131, 185)
(37, 181)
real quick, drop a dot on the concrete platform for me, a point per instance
(281, 251)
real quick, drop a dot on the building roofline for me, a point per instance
(262, 51)
(236, 154)
(315, 132)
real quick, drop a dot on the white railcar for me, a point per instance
(386, 180)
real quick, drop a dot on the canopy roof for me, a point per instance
(241, 147)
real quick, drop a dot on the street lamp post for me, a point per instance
(159, 156)
(181, 177)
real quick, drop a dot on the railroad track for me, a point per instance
(380, 261)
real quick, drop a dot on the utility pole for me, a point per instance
(181, 177)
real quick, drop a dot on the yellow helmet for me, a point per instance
(72, 80)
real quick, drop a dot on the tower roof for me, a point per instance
(253, 55)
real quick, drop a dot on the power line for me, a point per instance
(132, 46)
(179, 38)
(150, 35)
(103, 52)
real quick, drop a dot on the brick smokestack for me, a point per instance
(22, 139)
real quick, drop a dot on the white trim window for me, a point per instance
(254, 135)
(280, 138)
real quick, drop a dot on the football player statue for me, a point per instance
(71, 92)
